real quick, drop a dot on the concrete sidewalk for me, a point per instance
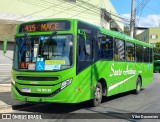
(4, 106)
(5, 87)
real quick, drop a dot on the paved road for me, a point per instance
(148, 101)
(5, 73)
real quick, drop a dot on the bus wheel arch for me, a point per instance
(138, 84)
(141, 79)
(100, 91)
(104, 86)
(97, 95)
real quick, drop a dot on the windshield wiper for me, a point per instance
(53, 33)
(48, 40)
(23, 42)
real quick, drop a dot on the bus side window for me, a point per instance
(81, 49)
(151, 57)
(88, 47)
(109, 45)
(106, 48)
(139, 50)
(119, 50)
(130, 51)
(146, 54)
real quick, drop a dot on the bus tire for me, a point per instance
(97, 95)
(138, 85)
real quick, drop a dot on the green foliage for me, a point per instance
(126, 30)
(156, 51)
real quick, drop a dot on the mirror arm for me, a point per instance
(5, 46)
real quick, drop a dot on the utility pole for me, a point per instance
(132, 21)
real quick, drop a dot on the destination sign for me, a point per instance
(44, 26)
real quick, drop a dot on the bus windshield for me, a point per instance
(39, 53)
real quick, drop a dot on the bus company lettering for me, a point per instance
(119, 72)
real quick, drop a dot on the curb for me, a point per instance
(4, 106)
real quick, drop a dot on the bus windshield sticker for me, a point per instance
(42, 38)
(40, 59)
(52, 67)
(61, 62)
(31, 66)
(70, 43)
(24, 65)
(40, 66)
(35, 49)
(59, 37)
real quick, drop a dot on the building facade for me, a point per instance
(98, 12)
(150, 35)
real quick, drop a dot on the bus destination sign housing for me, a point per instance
(45, 26)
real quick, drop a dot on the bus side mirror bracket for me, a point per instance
(5, 46)
(82, 33)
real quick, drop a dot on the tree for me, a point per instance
(126, 30)
(156, 51)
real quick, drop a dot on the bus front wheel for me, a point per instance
(138, 85)
(97, 95)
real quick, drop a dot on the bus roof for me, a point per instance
(102, 30)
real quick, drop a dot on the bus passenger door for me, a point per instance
(84, 62)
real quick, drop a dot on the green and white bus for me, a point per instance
(71, 61)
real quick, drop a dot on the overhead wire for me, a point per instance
(77, 10)
(140, 10)
(36, 12)
(124, 19)
(72, 7)
(98, 8)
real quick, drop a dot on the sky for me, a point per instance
(148, 17)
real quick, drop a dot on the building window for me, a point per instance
(153, 36)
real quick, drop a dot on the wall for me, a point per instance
(7, 29)
(146, 35)
(86, 10)
(154, 31)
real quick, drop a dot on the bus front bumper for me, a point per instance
(58, 98)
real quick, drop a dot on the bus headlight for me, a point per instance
(66, 83)
(13, 81)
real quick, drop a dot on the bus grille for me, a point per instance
(37, 78)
